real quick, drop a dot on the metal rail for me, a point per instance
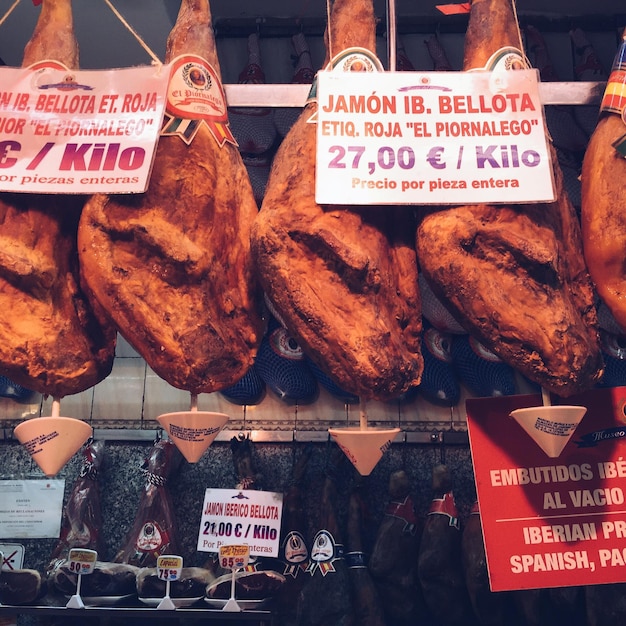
(148, 435)
(287, 95)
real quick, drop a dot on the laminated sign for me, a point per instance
(79, 131)
(241, 516)
(431, 138)
(551, 521)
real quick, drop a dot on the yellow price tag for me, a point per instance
(234, 556)
(82, 561)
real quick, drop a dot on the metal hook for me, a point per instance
(437, 438)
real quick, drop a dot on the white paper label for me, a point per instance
(431, 138)
(31, 508)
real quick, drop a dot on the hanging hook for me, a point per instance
(437, 438)
(391, 34)
(8, 12)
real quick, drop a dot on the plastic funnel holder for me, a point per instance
(52, 441)
(364, 447)
(193, 431)
(551, 427)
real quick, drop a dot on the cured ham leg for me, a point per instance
(171, 267)
(440, 568)
(294, 552)
(325, 597)
(393, 562)
(514, 275)
(51, 340)
(490, 608)
(366, 603)
(343, 279)
(603, 202)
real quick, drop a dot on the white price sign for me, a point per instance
(242, 516)
(169, 567)
(82, 561)
(431, 138)
(66, 131)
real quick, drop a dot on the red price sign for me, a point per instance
(552, 522)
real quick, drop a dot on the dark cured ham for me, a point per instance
(393, 562)
(368, 609)
(154, 530)
(81, 525)
(491, 609)
(325, 597)
(440, 567)
(514, 275)
(294, 551)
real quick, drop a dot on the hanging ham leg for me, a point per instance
(294, 552)
(171, 267)
(368, 608)
(343, 279)
(51, 340)
(490, 608)
(603, 202)
(393, 562)
(440, 566)
(325, 597)
(514, 275)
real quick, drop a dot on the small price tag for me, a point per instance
(234, 556)
(82, 561)
(169, 567)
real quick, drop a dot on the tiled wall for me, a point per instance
(132, 396)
